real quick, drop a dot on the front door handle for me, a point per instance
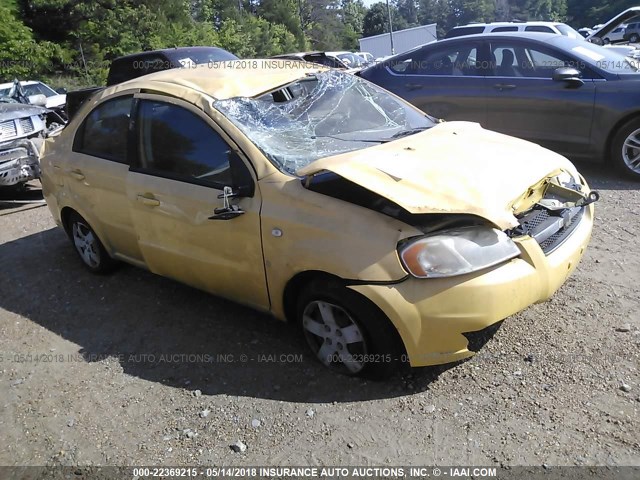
(504, 86)
(414, 86)
(77, 174)
(148, 200)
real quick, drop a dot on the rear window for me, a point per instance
(462, 31)
(538, 28)
(104, 133)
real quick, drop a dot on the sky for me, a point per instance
(368, 3)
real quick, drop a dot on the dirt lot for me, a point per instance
(135, 369)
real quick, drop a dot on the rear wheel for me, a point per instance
(88, 246)
(626, 149)
(606, 41)
(347, 333)
(633, 38)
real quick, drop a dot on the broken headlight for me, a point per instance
(456, 251)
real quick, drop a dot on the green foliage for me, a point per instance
(67, 38)
(376, 21)
(587, 13)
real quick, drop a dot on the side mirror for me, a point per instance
(243, 185)
(61, 91)
(39, 100)
(568, 74)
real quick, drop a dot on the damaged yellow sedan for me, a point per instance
(389, 236)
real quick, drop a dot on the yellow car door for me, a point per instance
(175, 189)
(95, 174)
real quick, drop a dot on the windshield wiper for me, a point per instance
(406, 133)
(367, 140)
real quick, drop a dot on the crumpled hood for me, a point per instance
(10, 111)
(454, 167)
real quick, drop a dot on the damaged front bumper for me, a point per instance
(435, 317)
(19, 163)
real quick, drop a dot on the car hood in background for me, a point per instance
(56, 101)
(454, 167)
(10, 111)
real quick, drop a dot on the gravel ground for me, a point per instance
(134, 369)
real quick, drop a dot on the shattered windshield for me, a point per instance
(322, 115)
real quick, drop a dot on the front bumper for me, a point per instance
(18, 163)
(432, 315)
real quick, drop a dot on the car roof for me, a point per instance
(509, 24)
(223, 80)
(539, 36)
(170, 52)
(549, 38)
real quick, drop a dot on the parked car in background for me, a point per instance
(40, 95)
(632, 32)
(350, 59)
(345, 60)
(566, 94)
(616, 35)
(56, 99)
(321, 58)
(143, 63)
(585, 31)
(22, 132)
(387, 236)
(501, 27)
(367, 57)
(603, 31)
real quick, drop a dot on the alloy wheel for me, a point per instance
(335, 337)
(86, 244)
(631, 151)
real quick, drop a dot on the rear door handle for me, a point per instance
(414, 86)
(504, 86)
(148, 200)
(77, 174)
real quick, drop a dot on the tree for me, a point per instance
(436, 11)
(408, 9)
(376, 21)
(586, 13)
(20, 55)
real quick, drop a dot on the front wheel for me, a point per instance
(88, 246)
(626, 149)
(347, 333)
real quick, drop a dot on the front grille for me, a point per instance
(8, 129)
(27, 125)
(550, 228)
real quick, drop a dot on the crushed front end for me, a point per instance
(22, 132)
(443, 320)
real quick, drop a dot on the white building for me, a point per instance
(403, 40)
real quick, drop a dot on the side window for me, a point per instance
(505, 29)
(455, 61)
(539, 28)
(177, 143)
(518, 60)
(105, 131)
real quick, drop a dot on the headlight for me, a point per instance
(457, 251)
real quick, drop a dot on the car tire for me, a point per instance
(625, 149)
(347, 333)
(606, 41)
(88, 246)
(633, 38)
